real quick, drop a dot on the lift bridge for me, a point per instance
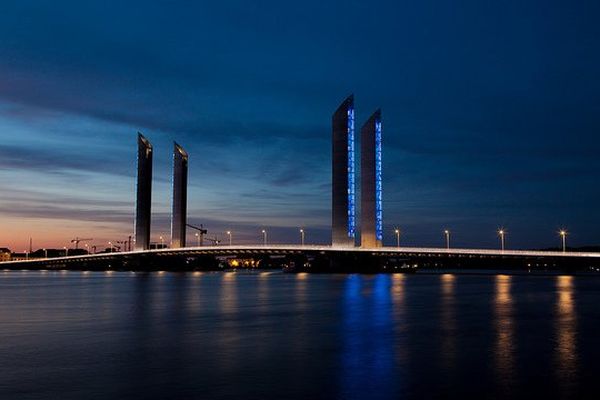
(321, 259)
(342, 255)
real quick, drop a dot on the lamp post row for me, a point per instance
(501, 234)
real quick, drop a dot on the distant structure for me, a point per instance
(371, 205)
(179, 211)
(343, 174)
(144, 194)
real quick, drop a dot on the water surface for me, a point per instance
(77, 335)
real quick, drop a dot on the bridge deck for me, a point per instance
(286, 249)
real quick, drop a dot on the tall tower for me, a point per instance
(179, 211)
(144, 194)
(343, 185)
(371, 204)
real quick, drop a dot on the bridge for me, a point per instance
(318, 258)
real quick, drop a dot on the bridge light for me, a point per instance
(563, 235)
(447, 235)
(264, 232)
(397, 232)
(502, 233)
(229, 234)
(302, 236)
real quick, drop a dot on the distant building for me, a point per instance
(179, 210)
(371, 201)
(343, 175)
(5, 254)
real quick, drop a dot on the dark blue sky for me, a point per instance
(491, 115)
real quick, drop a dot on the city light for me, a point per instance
(264, 232)
(397, 232)
(229, 234)
(302, 237)
(447, 235)
(563, 235)
(502, 234)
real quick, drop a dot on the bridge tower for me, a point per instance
(179, 210)
(371, 205)
(343, 175)
(143, 202)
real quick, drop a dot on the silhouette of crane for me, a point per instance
(77, 240)
(201, 233)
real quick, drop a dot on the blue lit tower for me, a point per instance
(179, 210)
(343, 185)
(144, 194)
(371, 210)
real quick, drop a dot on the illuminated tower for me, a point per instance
(179, 211)
(371, 211)
(343, 185)
(144, 194)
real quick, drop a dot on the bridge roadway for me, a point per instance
(421, 256)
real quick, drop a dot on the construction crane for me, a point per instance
(77, 240)
(201, 233)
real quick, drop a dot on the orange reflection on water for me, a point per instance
(397, 288)
(505, 346)
(566, 326)
(448, 321)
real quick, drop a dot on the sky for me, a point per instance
(491, 116)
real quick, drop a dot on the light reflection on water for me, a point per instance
(566, 330)
(267, 335)
(505, 341)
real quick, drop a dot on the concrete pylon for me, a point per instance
(179, 207)
(143, 202)
(371, 204)
(343, 175)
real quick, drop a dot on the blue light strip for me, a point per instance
(351, 183)
(378, 185)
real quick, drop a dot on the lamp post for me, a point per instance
(111, 246)
(229, 234)
(87, 248)
(198, 239)
(264, 232)
(563, 236)
(26, 255)
(45, 253)
(162, 243)
(397, 232)
(302, 236)
(66, 251)
(501, 233)
(447, 235)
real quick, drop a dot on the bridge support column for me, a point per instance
(179, 210)
(143, 202)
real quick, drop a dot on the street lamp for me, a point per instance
(302, 236)
(229, 234)
(563, 235)
(162, 243)
(447, 234)
(501, 233)
(111, 246)
(198, 239)
(87, 248)
(45, 253)
(264, 237)
(66, 251)
(397, 232)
